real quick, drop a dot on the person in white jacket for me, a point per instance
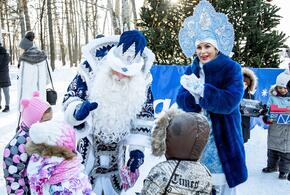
(33, 69)
(110, 103)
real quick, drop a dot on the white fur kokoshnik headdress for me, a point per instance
(206, 25)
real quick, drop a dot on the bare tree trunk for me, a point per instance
(63, 27)
(51, 37)
(68, 33)
(96, 24)
(84, 22)
(105, 21)
(12, 56)
(117, 9)
(114, 18)
(75, 32)
(87, 22)
(21, 17)
(42, 44)
(45, 31)
(26, 15)
(134, 13)
(60, 37)
(79, 45)
(125, 15)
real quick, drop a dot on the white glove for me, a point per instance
(193, 84)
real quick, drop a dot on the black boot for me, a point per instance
(282, 175)
(0, 107)
(269, 170)
(288, 177)
(6, 109)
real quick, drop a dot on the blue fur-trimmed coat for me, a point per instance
(223, 91)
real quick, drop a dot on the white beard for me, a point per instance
(118, 104)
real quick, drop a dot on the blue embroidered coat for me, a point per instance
(223, 91)
(88, 146)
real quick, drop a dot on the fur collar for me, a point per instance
(49, 151)
(216, 64)
(249, 73)
(33, 55)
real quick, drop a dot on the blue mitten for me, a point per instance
(136, 160)
(83, 110)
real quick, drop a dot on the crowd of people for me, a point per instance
(108, 109)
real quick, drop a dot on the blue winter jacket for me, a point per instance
(223, 91)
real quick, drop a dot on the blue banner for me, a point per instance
(166, 82)
(266, 78)
(165, 85)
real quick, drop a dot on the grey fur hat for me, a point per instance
(180, 135)
(27, 41)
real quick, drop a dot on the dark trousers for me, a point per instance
(280, 160)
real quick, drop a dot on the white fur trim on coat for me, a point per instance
(138, 140)
(89, 50)
(252, 76)
(149, 58)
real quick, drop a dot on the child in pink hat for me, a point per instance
(15, 157)
(54, 167)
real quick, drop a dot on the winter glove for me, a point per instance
(192, 84)
(83, 110)
(136, 160)
(266, 120)
(264, 110)
(128, 178)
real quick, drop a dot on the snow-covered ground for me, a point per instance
(256, 148)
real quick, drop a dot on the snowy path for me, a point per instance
(257, 184)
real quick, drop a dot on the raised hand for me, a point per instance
(83, 110)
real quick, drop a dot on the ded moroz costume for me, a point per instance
(110, 104)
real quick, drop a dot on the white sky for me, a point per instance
(285, 13)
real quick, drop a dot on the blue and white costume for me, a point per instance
(215, 88)
(124, 113)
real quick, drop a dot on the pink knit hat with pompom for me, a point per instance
(53, 133)
(33, 109)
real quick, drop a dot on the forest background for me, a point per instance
(64, 26)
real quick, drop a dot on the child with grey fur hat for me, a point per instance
(181, 137)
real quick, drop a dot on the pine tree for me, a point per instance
(160, 23)
(257, 43)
